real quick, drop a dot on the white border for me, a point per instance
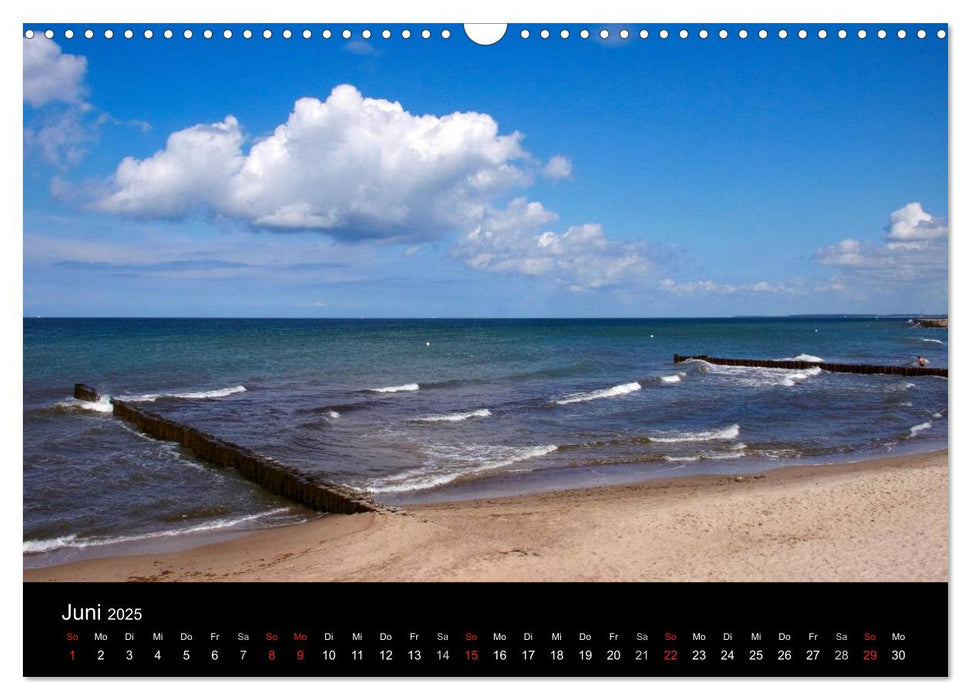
(607, 11)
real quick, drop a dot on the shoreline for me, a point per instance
(883, 519)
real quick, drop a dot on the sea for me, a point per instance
(427, 410)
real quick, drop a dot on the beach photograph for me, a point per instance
(590, 303)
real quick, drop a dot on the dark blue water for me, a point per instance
(421, 410)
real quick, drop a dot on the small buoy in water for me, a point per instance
(652, 335)
(815, 330)
(427, 343)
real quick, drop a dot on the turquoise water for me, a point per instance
(421, 410)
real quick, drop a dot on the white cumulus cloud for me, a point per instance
(51, 75)
(914, 249)
(351, 166)
(912, 223)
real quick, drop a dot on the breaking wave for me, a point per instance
(455, 417)
(459, 462)
(73, 541)
(802, 357)
(102, 405)
(919, 428)
(760, 376)
(728, 433)
(209, 394)
(618, 390)
(395, 389)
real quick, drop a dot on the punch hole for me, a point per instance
(425, 34)
(763, 34)
(109, 34)
(88, 34)
(902, 34)
(544, 34)
(604, 34)
(29, 34)
(327, 34)
(267, 34)
(247, 34)
(941, 34)
(821, 33)
(861, 33)
(683, 34)
(703, 34)
(168, 34)
(346, 33)
(524, 34)
(50, 33)
(228, 34)
(841, 33)
(148, 34)
(207, 34)
(366, 34)
(287, 34)
(743, 34)
(663, 33)
(564, 34)
(624, 34)
(68, 33)
(921, 34)
(803, 33)
(584, 33)
(882, 34)
(446, 34)
(783, 34)
(386, 34)
(723, 34)
(643, 34)
(405, 33)
(187, 33)
(488, 34)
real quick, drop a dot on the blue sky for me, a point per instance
(438, 178)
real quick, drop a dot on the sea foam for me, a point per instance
(75, 542)
(464, 461)
(102, 405)
(760, 376)
(455, 417)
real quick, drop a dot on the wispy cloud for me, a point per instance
(558, 167)
(517, 240)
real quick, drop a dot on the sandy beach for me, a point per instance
(878, 520)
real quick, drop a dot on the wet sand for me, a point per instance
(878, 520)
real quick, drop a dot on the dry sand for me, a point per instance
(880, 520)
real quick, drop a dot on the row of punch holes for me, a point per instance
(524, 33)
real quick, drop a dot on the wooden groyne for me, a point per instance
(930, 323)
(83, 392)
(828, 366)
(305, 489)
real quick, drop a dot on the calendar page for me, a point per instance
(485, 350)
